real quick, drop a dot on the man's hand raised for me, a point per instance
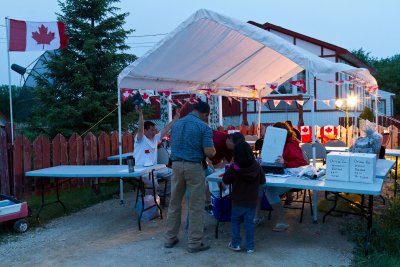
(138, 110)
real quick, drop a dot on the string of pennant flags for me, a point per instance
(126, 93)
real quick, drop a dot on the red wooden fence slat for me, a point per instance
(27, 158)
(75, 156)
(127, 142)
(114, 144)
(90, 146)
(18, 170)
(104, 152)
(60, 155)
(41, 159)
(4, 171)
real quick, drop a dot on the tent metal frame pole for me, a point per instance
(311, 92)
(259, 117)
(121, 182)
(9, 79)
(376, 109)
(220, 117)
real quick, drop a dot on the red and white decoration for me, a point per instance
(289, 102)
(273, 86)
(126, 93)
(37, 36)
(299, 83)
(276, 102)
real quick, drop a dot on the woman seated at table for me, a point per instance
(292, 158)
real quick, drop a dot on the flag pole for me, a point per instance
(9, 78)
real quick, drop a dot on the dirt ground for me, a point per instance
(107, 235)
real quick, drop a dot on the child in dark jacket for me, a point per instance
(245, 175)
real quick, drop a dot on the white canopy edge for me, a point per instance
(233, 54)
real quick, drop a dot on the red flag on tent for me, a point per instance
(299, 83)
(273, 86)
(37, 36)
(126, 93)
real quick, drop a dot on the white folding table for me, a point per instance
(383, 168)
(336, 149)
(79, 171)
(394, 153)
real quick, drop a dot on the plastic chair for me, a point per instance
(307, 149)
(258, 147)
(337, 143)
(320, 152)
(251, 138)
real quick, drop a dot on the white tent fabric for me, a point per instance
(210, 50)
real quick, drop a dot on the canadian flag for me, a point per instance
(37, 36)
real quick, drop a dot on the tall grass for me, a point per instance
(384, 246)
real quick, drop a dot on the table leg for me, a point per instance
(141, 188)
(315, 206)
(45, 204)
(395, 178)
(41, 204)
(369, 222)
(121, 191)
(336, 198)
(58, 196)
(154, 194)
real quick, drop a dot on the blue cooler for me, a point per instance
(225, 206)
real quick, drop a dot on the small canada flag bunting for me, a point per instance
(166, 92)
(276, 102)
(264, 101)
(273, 86)
(126, 93)
(289, 102)
(299, 83)
(300, 102)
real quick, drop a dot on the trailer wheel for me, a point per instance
(21, 226)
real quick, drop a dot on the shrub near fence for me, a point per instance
(42, 153)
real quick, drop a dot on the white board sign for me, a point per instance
(337, 166)
(362, 168)
(274, 142)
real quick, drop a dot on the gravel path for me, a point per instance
(107, 235)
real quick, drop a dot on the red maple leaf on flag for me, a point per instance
(42, 37)
(328, 130)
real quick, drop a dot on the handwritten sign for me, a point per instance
(337, 166)
(362, 168)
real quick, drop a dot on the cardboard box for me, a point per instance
(338, 166)
(362, 168)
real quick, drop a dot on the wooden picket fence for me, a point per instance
(43, 153)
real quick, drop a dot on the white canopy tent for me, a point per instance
(216, 52)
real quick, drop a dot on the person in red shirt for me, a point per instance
(224, 144)
(292, 157)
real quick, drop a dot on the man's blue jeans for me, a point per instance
(248, 215)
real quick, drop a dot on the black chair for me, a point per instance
(258, 146)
